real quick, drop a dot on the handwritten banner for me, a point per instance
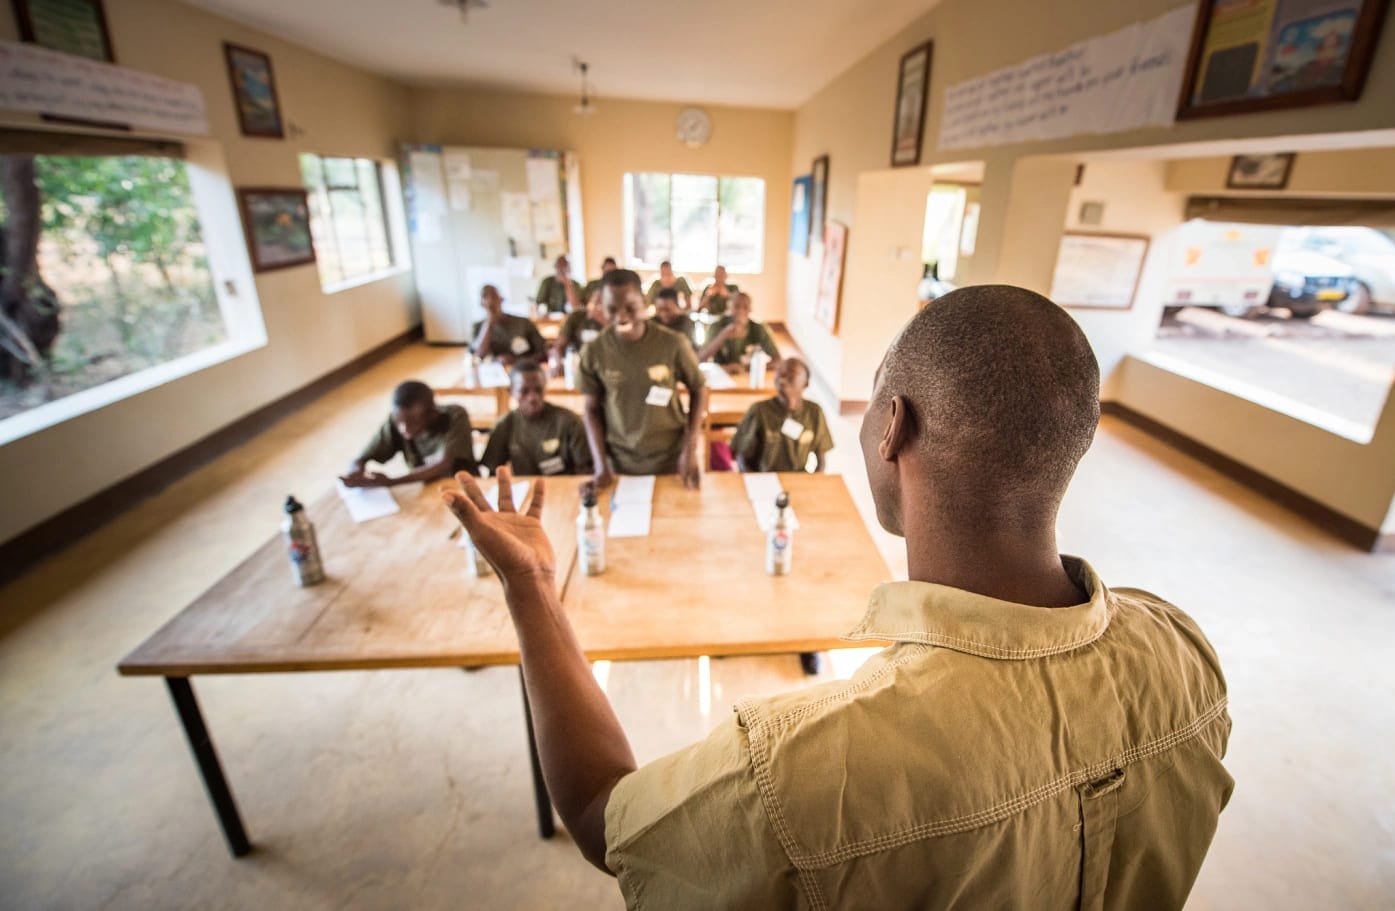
(1120, 81)
(33, 78)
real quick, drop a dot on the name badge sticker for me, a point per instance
(551, 466)
(589, 335)
(519, 345)
(659, 396)
(792, 429)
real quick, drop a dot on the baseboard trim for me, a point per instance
(1323, 516)
(64, 529)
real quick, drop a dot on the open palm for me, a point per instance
(513, 542)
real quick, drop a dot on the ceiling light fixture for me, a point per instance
(585, 106)
(464, 6)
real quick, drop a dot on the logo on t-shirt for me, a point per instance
(660, 373)
(551, 446)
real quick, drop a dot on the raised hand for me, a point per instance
(513, 542)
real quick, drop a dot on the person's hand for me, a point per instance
(688, 468)
(602, 479)
(361, 478)
(514, 543)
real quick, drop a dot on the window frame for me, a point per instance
(628, 219)
(394, 262)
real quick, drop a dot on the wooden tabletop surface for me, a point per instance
(399, 593)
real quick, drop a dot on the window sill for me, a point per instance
(359, 280)
(1346, 429)
(88, 400)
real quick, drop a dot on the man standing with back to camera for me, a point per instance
(1031, 738)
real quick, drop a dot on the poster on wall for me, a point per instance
(911, 87)
(835, 245)
(1264, 54)
(277, 224)
(799, 215)
(77, 27)
(1099, 271)
(818, 196)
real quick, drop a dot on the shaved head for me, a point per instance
(1000, 392)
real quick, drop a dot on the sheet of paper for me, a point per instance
(766, 512)
(517, 217)
(428, 189)
(457, 162)
(634, 488)
(543, 185)
(520, 493)
(716, 377)
(762, 487)
(486, 181)
(547, 222)
(366, 503)
(461, 198)
(493, 375)
(629, 520)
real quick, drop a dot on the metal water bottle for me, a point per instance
(590, 536)
(301, 546)
(779, 543)
(759, 362)
(571, 364)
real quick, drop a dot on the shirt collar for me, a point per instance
(978, 625)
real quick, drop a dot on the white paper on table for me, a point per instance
(766, 513)
(517, 217)
(762, 486)
(716, 377)
(457, 164)
(634, 488)
(520, 493)
(629, 520)
(461, 199)
(493, 375)
(366, 503)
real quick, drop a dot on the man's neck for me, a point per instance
(791, 402)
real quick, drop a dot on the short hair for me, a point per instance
(796, 362)
(1002, 390)
(411, 394)
(609, 261)
(616, 278)
(522, 366)
(665, 263)
(721, 268)
(668, 294)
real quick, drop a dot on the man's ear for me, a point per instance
(896, 433)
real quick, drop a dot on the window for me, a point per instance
(106, 272)
(346, 217)
(695, 221)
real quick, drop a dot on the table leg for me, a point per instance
(546, 828)
(188, 707)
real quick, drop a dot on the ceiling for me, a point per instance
(755, 53)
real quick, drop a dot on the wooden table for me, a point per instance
(399, 595)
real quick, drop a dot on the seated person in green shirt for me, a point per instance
(667, 314)
(716, 293)
(733, 339)
(630, 376)
(780, 433)
(594, 285)
(666, 280)
(537, 437)
(581, 326)
(559, 293)
(435, 441)
(504, 336)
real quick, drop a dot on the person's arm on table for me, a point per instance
(583, 749)
(382, 447)
(708, 351)
(688, 461)
(593, 416)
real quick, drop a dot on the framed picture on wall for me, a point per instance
(911, 88)
(835, 248)
(818, 204)
(254, 92)
(799, 215)
(76, 27)
(1296, 53)
(1098, 271)
(1259, 172)
(276, 221)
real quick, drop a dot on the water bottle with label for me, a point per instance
(759, 362)
(779, 543)
(590, 536)
(571, 365)
(472, 370)
(301, 545)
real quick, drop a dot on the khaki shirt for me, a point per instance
(680, 284)
(717, 303)
(739, 350)
(512, 336)
(451, 433)
(573, 327)
(683, 325)
(995, 756)
(554, 294)
(552, 443)
(772, 438)
(638, 381)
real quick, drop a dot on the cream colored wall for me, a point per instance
(1365, 172)
(340, 110)
(629, 136)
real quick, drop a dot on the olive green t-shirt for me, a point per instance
(739, 350)
(766, 442)
(512, 336)
(552, 443)
(450, 433)
(717, 303)
(638, 382)
(680, 284)
(578, 329)
(554, 294)
(684, 326)
(591, 288)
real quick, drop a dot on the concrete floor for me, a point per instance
(411, 788)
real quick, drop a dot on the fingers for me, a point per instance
(535, 507)
(505, 495)
(470, 487)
